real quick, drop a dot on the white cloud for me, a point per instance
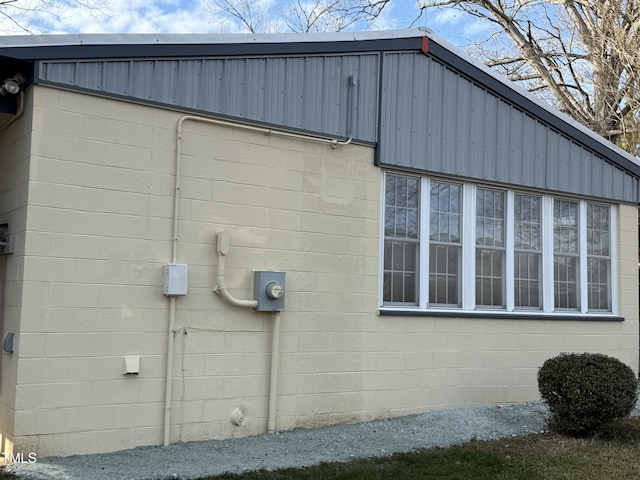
(117, 16)
(196, 16)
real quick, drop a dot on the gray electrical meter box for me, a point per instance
(269, 291)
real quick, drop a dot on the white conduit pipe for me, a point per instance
(172, 299)
(273, 380)
(221, 288)
(334, 143)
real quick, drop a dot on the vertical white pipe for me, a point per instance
(273, 384)
(169, 374)
(172, 299)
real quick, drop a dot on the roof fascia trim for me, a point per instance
(134, 51)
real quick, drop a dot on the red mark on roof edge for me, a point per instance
(425, 44)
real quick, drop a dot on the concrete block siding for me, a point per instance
(15, 143)
(98, 233)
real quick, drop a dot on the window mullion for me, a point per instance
(509, 254)
(583, 277)
(547, 254)
(468, 247)
(423, 249)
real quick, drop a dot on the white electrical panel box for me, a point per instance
(175, 279)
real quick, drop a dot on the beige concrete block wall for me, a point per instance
(15, 140)
(100, 229)
(100, 226)
(417, 362)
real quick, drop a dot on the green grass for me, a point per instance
(612, 454)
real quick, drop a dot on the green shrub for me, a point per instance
(585, 391)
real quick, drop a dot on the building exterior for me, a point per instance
(435, 232)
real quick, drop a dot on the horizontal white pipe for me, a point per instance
(334, 143)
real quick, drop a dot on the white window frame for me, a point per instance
(467, 285)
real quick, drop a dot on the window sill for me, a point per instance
(499, 315)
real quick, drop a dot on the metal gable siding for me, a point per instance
(335, 95)
(435, 120)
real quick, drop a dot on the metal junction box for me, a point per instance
(269, 291)
(175, 279)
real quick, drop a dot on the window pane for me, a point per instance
(598, 257)
(390, 190)
(599, 278)
(566, 253)
(527, 280)
(444, 249)
(412, 223)
(444, 273)
(389, 221)
(566, 281)
(597, 230)
(401, 222)
(489, 277)
(565, 226)
(490, 234)
(397, 256)
(490, 217)
(527, 224)
(401, 207)
(401, 229)
(388, 247)
(528, 250)
(386, 287)
(444, 220)
(400, 272)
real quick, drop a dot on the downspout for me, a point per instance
(221, 288)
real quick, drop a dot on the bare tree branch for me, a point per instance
(584, 52)
(22, 14)
(302, 16)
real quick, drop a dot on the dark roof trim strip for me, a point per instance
(131, 51)
(502, 89)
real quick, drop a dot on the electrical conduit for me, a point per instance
(221, 288)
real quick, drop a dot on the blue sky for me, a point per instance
(196, 16)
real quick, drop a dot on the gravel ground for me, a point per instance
(296, 448)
